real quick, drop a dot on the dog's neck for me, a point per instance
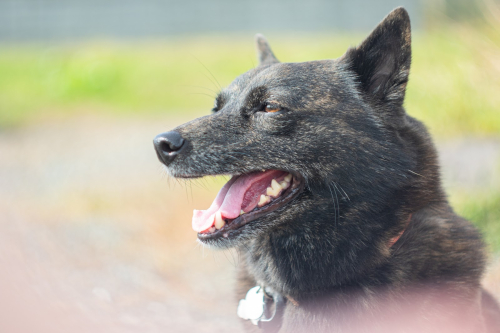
(293, 260)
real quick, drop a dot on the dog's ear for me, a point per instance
(264, 52)
(382, 61)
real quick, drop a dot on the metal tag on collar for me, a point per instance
(273, 324)
(254, 307)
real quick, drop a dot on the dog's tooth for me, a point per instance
(212, 229)
(242, 212)
(284, 184)
(219, 222)
(264, 200)
(274, 190)
(270, 192)
(288, 177)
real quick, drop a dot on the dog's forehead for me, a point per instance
(285, 76)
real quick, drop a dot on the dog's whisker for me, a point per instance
(203, 94)
(335, 206)
(218, 84)
(338, 184)
(201, 87)
(413, 172)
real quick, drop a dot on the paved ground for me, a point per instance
(93, 237)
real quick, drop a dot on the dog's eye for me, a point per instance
(272, 107)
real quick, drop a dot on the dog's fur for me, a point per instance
(370, 173)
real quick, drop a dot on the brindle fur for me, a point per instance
(370, 171)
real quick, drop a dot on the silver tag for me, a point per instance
(252, 307)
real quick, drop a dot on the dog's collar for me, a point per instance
(394, 239)
(259, 301)
(258, 308)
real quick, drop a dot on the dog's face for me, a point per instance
(299, 140)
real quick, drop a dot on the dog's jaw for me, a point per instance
(223, 232)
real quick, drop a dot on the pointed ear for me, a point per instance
(264, 52)
(382, 61)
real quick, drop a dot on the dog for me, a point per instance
(335, 202)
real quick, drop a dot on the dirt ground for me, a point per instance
(95, 238)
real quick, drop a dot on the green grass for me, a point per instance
(483, 209)
(453, 88)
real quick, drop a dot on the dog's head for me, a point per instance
(306, 144)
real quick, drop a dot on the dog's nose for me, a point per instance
(168, 145)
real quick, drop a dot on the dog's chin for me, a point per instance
(260, 193)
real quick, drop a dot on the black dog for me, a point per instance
(335, 200)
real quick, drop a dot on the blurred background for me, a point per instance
(93, 234)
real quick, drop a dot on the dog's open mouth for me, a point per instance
(244, 198)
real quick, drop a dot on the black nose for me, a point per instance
(168, 145)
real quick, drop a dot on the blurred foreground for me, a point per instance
(94, 236)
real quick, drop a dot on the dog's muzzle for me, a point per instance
(168, 145)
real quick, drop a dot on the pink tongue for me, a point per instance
(230, 199)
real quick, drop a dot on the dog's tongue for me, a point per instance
(239, 193)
